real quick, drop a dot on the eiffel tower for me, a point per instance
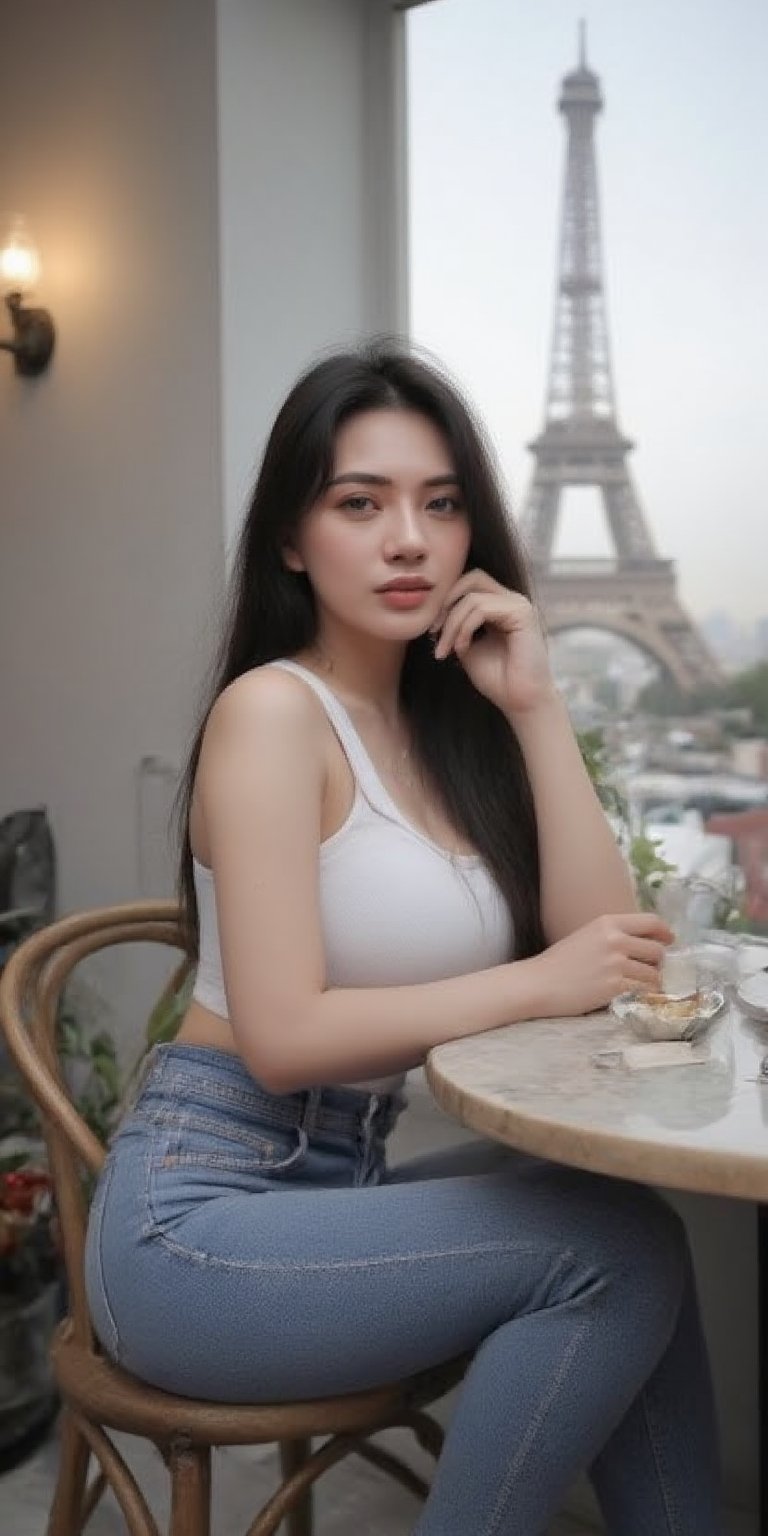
(633, 594)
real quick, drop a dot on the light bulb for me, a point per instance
(19, 261)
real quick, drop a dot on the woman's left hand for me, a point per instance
(508, 663)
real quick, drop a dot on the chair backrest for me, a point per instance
(30, 992)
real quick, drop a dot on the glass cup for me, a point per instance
(679, 970)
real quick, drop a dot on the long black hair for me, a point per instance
(462, 740)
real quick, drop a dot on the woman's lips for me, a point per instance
(404, 597)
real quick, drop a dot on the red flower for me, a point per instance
(23, 1190)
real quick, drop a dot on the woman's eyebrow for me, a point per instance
(362, 477)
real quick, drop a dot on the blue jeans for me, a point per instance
(248, 1247)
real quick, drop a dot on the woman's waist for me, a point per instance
(202, 1026)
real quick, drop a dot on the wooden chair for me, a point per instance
(96, 1395)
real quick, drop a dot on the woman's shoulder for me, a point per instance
(266, 699)
(261, 739)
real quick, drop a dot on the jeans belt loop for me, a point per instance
(309, 1113)
(371, 1112)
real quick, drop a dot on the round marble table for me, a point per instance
(537, 1086)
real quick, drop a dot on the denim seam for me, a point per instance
(210, 1126)
(215, 1128)
(100, 1263)
(343, 1122)
(182, 1085)
(301, 1266)
(207, 1117)
(177, 1083)
(259, 1158)
(148, 1225)
(523, 1450)
(658, 1462)
(222, 1161)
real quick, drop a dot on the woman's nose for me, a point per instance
(405, 535)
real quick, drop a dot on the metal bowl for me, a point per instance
(654, 1016)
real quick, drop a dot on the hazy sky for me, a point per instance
(682, 149)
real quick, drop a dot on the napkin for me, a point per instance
(653, 1053)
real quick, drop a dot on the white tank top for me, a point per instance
(396, 909)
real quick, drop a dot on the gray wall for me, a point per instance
(312, 199)
(110, 463)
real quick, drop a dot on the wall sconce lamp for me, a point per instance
(33, 335)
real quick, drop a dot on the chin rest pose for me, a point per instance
(390, 841)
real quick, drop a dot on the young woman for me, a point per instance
(390, 841)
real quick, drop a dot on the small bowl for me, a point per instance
(752, 997)
(655, 1016)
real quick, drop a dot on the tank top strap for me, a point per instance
(359, 760)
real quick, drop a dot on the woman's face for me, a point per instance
(389, 536)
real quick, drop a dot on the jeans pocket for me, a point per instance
(194, 1140)
(193, 1161)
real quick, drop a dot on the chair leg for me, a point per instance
(293, 1454)
(67, 1509)
(190, 1469)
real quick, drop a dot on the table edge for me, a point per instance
(741, 1176)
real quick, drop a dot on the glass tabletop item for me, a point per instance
(694, 903)
(657, 1016)
(679, 971)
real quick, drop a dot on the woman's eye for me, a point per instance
(445, 504)
(357, 504)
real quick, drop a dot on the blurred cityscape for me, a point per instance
(693, 770)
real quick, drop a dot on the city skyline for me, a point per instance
(685, 240)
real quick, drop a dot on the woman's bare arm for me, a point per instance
(260, 784)
(583, 871)
(497, 638)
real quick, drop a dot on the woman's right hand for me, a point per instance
(611, 954)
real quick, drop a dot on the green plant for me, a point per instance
(98, 1086)
(596, 761)
(648, 865)
(92, 1060)
(17, 1113)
